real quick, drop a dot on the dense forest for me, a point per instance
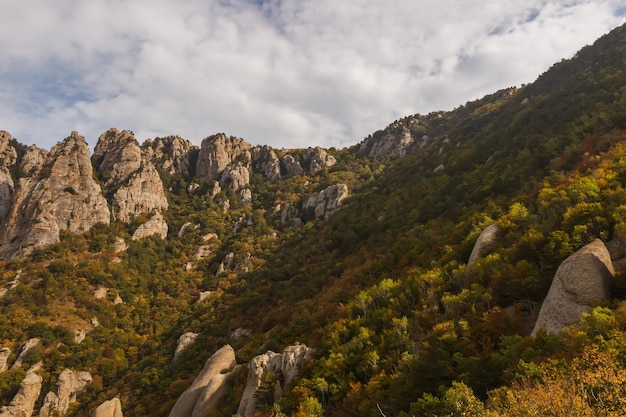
(382, 291)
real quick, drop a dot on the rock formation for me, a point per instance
(223, 359)
(5, 352)
(68, 385)
(156, 225)
(397, 139)
(171, 154)
(580, 281)
(30, 343)
(110, 408)
(23, 404)
(265, 161)
(217, 388)
(318, 158)
(328, 201)
(486, 238)
(288, 364)
(219, 151)
(8, 157)
(132, 183)
(291, 167)
(60, 195)
(183, 341)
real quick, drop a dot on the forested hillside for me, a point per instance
(376, 281)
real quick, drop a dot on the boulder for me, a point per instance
(23, 404)
(292, 359)
(119, 245)
(317, 159)
(61, 195)
(100, 292)
(486, 238)
(183, 341)
(223, 359)
(110, 408)
(328, 201)
(580, 281)
(156, 225)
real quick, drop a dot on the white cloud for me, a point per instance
(288, 73)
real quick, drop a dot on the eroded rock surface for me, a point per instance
(60, 195)
(222, 360)
(110, 408)
(171, 154)
(23, 404)
(183, 341)
(580, 281)
(485, 239)
(156, 225)
(132, 183)
(328, 201)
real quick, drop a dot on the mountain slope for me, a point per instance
(380, 288)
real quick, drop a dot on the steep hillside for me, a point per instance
(168, 279)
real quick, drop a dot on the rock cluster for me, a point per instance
(328, 201)
(133, 186)
(171, 154)
(69, 384)
(209, 386)
(183, 341)
(397, 139)
(8, 157)
(60, 194)
(580, 281)
(287, 364)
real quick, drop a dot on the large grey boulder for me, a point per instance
(581, 280)
(110, 408)
(486, 238)
(219, 151)
(222, 360)
(217, 388)
(156, 225)
(30, 343)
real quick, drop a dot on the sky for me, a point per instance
(284, 73)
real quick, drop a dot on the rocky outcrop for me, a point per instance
(68, 385)
(222, 360)
(486, 238)
(156, 225)
(291, 166)
(171, 154)
(287, 364)
(10, 285)
(8, 157)
(328, 201)
(580, 281)
(265, 161)
(217, 388)
(5, 352)
(183, 341)
(30, 343)
(110, 408)
(317, 159)
(60, 195)
(23, 404)
(219, 151)
(132, 183)
(397, 139)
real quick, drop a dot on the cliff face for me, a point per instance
(132, 183)
(60, 194)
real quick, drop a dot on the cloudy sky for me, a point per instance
(287, 73)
